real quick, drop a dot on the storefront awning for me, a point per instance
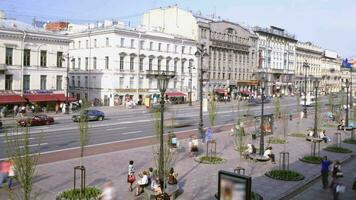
(34, 98)
(175, 94)
(220, 90)
(63, 98)
(246, 92)
(11, 99)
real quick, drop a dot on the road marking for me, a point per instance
(225, 115)
(132, 132)
(112, 129)
(34, 145)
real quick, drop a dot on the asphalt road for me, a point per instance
(128, 125)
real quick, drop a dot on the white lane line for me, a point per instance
(225, 115)
(112, 129)
(35, 145)
(132, 132)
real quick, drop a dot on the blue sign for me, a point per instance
(346, 64)
(208, 135)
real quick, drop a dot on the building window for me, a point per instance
(167, 47)
(43, 82)
(86, 81)
(107, 42)
(159, 46)
(86, 63)
(94, 63)
(26, 57)
(73, 63)
(79, 63)
(183, 48)
(79, 44)
(8, 55)
(8, 82)
(131, 82)
(175, 48)
(167, 65)
(73, 81)
(132, 60)
(159, 65)
(175, 66)
(132, 43)
(106, 62)
(86, 44)
(26, 82)
(95, 44)
(175, 84)
(121, 82)
(183, 62)
(140, 83)
(59, 59)
(122, 63)
(43, 58)
(122, 42)
(78, 77)
(141, 64)
(150, 64)
(59, 83)
(151, 46)
(142, 43)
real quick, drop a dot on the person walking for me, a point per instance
(325, 164)
(131, 175)
(108, 191)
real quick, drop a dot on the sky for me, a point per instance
(330, 24)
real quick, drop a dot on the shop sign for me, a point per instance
(131, 90)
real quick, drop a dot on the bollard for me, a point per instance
(284, 160)
(337, 139)
(239, 170)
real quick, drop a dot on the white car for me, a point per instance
(310, 101)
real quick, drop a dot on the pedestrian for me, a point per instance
(268, 154)
(131, 175)
(108, 191)
(325, 164)
(16, 107)
(337, 173)
(142, 183)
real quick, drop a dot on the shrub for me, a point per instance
(74, 194)
(276, 140)
(350, 141)
(337, 149)
(210, 159)
(311, 159)
(297, 134)
(284, 175)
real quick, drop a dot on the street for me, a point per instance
(133, 124)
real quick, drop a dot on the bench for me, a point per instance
(257, 157)
(171, 190)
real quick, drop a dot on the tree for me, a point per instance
(277, 108)
(298, 111)
(24, 161)
(212, 111)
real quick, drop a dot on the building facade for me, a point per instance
(333, 76)
(31, 62)
(308, 64)
(110, 63)
(277, 53)
(231, 48)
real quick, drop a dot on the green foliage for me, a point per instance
(24, 161)
(84, 132)
(297, 134)
(311, 159)
(350, 141)
(256, 196)
(285, 175)
(276, 140)
(336, 149)
(211, 159)
(75, 194)
(277, 108)
(212, 112)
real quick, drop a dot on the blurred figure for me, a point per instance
(108, 191)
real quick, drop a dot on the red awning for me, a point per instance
(63, 98)
(11, 99)
(246, 92)
(220, 90)
(41, 98)
(175, 94)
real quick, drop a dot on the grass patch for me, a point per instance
(297, 134)
(329, 125)
(311, 159)
(241, 149)
(285, 175)
(349, 141)
(276, 140)
(337, 149)
(90, 193)
(210, 159)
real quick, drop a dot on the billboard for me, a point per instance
(232, 186)
(330, 54)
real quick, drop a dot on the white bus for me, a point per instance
(310, 101)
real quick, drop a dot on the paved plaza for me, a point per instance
(198, 181)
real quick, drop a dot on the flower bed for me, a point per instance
(276, 140)
(71, 194)
(297, 134)
(210, 159)
(311, 159)
(350, 141)
(337, 149)
(284, 175)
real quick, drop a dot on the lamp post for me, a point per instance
(305, 65)
(67, 84)
(316, 109)
(347, 103)
(263, 85)
(201, 53)
(191, 84)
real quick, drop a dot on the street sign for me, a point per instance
(234, 186)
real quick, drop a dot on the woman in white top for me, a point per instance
(142, 183)
(268, 154)
(131, 174)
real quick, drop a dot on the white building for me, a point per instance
(334, 77)
(109, 63)
(31, 63)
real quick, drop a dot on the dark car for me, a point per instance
(178, 122)
(257, 101)
(89, 115)
(36, 120)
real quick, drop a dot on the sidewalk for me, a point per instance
(199, 181)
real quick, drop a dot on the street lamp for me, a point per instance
(263, 86)
(201, 53)
(191, 84)
(347, 103)
(305, 65)
(316, 108)
(67, 80)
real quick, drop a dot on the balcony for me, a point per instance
(156, 73)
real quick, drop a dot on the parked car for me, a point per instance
(36, 120)
(89, 115)
(178, 122)
(254, 101)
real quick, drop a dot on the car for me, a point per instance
(178, 122)
(89, 115)
(255, 102)
(36, 120)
